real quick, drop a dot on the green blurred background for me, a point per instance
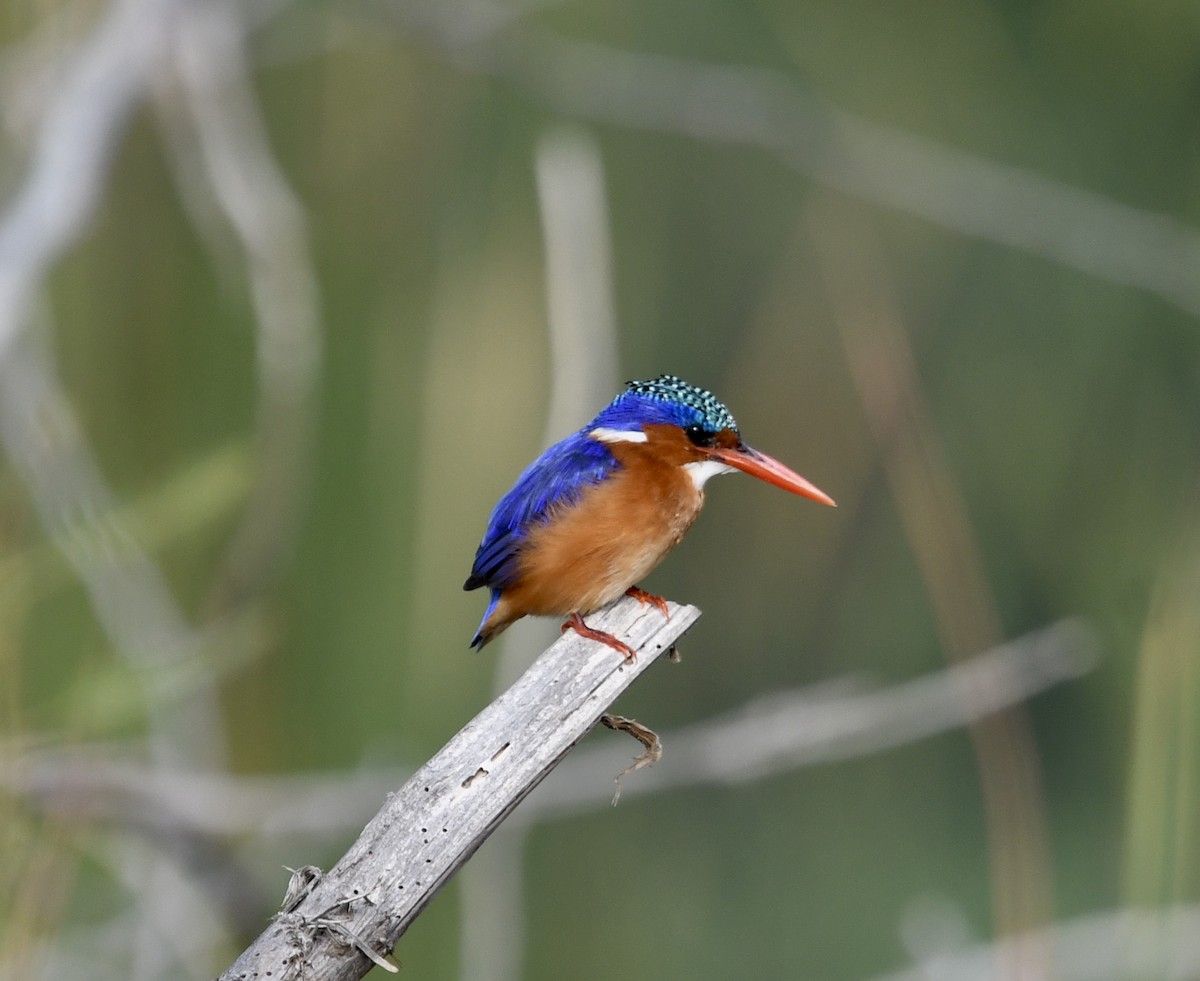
(1010, 429)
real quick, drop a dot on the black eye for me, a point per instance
(700, 436)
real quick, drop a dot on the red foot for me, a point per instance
(575, 622)
(644, 597)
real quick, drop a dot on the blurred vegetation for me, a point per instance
(1066, 408)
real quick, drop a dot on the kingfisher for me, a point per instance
(596, 512)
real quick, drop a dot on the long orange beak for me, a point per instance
(756, 464)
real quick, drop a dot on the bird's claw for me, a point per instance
(644, 597)
(575, 622)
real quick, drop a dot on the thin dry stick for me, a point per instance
(943, 541)
(1161, 844)
(352, 917)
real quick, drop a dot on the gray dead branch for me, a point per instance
(347, 920)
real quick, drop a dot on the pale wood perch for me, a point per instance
(336, 926)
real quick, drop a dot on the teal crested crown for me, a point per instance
(714, 416)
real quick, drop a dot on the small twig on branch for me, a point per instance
(433, 824)
(644, 735)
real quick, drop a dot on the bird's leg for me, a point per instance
(575, 622)
(644, 597)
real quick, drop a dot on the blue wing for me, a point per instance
(556, 478)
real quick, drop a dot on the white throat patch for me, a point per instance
(703, 469)
(618, 435)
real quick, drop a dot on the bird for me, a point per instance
(597, 511)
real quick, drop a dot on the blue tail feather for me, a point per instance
(479, 640)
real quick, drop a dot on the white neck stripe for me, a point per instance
(701, 470)
(618, 435)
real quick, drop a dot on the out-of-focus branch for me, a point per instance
(787, 730)
(84, 786)
(943, 541)
(83, 122)
(1113, 946)
(757, 107)
(128, 593)
(1162, 859)
(583, 362)
(774, 734)
(579, 288)
(206, 490)
(85, 107)
(228, 140)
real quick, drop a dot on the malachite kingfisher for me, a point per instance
(596, 512)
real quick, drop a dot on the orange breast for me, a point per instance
(586, 556)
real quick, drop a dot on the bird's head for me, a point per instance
(690, 427)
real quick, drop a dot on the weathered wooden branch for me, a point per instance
(432, 825)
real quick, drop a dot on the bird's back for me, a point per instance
(555, 481)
